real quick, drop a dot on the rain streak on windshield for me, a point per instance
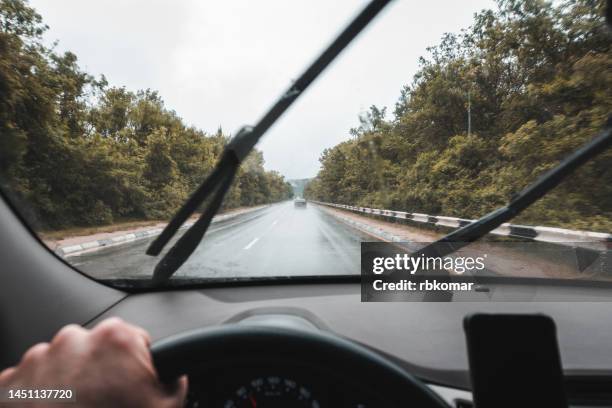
(474, 116)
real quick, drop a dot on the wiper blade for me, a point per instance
(479, 228)
(220, 180)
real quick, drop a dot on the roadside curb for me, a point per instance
(377, 232)
(91, 246)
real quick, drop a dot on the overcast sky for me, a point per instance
(223, 63)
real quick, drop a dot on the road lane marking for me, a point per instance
(251, 243)
(254, 241)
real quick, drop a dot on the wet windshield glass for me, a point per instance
(436, 115)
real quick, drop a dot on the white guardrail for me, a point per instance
(589, 239)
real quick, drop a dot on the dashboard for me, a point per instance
(426, 340)
(275, 384)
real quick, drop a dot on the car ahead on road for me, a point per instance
(299, 203)
(268, 308)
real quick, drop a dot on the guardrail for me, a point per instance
(587, 239)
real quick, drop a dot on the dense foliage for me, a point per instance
(537, 78)
(75, 151)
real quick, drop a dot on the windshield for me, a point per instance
(437, 114)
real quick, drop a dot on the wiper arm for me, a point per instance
(220, 180)
(477, 229)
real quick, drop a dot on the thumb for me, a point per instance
(178, 392)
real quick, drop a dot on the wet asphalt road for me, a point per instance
(280, 240)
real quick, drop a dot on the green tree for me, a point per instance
(74, 151)
(537, 75)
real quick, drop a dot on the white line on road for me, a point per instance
(251, 243)
(257, 239)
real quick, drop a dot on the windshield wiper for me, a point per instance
(220, 180)
(479, 228)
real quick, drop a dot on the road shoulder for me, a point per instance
(88, 243)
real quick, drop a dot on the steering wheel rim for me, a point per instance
(185, 352)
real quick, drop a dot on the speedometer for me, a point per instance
(272, 392)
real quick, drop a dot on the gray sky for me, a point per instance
(225, 62)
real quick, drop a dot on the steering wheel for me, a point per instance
(190, 351)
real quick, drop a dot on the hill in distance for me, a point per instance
(298, 186)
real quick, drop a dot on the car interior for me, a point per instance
(319, 335)
(311, 341)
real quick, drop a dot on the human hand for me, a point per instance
(108, 366)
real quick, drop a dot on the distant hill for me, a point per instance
(298, 186)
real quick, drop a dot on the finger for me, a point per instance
(34, 354)
(122, 336)
(141, 333)
(69, 336)
(70, 344)
(115, 323)
(143, 339)
(142, 342)
(179, 391)
(6, 374)
(107, 324)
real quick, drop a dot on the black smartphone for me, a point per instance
(514, 361)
